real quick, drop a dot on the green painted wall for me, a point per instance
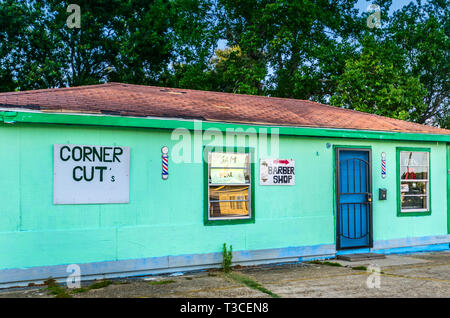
(166, 217)
(448, 188)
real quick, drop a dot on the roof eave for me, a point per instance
(36, 117)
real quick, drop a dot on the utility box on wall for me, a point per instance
(382, 194)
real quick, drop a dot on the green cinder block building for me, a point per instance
(126, 180)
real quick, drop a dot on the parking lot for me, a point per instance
(408, 275)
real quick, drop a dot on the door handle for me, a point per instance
(369, 197)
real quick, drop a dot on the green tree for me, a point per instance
(443, 118)
(422, 30)
(309, 49)
(47, 53)
(233, 71)
(300, 44)
(141, 45)
(195, 32)
(244, 26)
(16, 27)
(133, 41)
(310, 42)
(11, 18)
(374, 85)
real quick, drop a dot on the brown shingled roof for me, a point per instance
(138, 100)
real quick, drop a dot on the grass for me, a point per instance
(79, 290)
(61, 292)
(55, 289)
(161, 282)
(325, 263)
(96, 285)
(100, 284)
(58, 292)
(250, 283)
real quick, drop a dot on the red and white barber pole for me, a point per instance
(383, 165)
(165, 163)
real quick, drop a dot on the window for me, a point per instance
(229, 186)
(413, 180)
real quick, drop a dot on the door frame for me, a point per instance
(336, 150)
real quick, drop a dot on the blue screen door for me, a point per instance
(353, 198)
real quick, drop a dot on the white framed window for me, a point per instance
(414, 180)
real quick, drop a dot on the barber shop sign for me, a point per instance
(90, 174)
(277, 172)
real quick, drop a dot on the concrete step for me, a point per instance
(357, 257)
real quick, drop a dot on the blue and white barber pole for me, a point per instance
(383, 165)
(165, 163)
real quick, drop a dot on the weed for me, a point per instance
(55, 289)
(50, 282)
(360, 268)
(100, 284)
(59, 292)
(96, 285)
(121, 282)
(161, 282)
(79, 290)
(227, 258)
(325, 263)
(251, 283)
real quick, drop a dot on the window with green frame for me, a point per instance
(229, 194)
(413, 181)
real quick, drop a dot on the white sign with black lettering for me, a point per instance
(277, 172)
(90, 174)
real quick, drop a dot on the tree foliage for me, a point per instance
(422, 32)
(234, 71)
(373, 85)
(320, 50)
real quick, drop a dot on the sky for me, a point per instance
(396, 4)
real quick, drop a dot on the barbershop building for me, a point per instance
(128, 180)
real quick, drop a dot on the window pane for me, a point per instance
(228, 201)
(413, 188)
(227, 168)
(412, 203)
(413, 158)
(221, 176)
(228, 159)
(408, 173)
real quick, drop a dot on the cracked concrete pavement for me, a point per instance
(408, 275)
